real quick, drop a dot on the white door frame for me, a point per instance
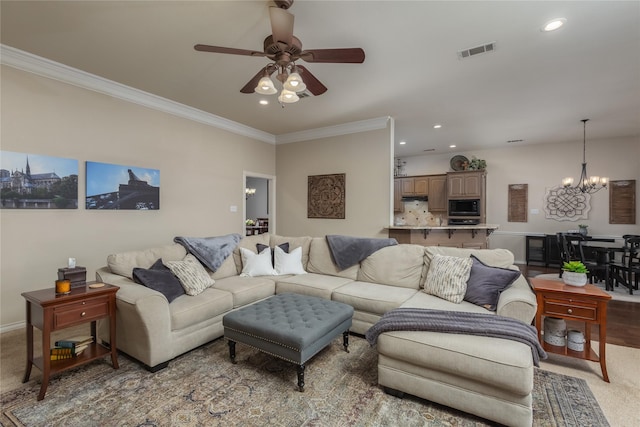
(271, 183)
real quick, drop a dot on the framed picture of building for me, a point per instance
(117, 187)
(33, 181)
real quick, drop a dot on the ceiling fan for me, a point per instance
(284, 49)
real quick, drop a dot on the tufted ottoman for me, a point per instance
(289, 326)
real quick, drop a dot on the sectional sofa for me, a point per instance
(489, 377)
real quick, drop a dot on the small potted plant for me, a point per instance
(574, 273)
(250, 222)
(477, 164)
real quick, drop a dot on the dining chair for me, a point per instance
(598, 268)
(626, 271)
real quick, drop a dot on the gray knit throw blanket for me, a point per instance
(458, 322)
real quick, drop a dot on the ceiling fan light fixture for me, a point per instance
(288, 97)
(265, 86)
(294, 83)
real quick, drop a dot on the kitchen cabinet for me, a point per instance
(438, 193)
(415, 186)
(466, 184)
(398, 206)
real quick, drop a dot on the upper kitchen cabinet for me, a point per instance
(466, 184)
(415, 186)
(438, 193)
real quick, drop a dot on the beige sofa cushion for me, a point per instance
(124, 262)
(249, 242)
(247, 290)
(492, 257)
(399, 265)
(186, 311)
(303, 242)
(312, 284)
(321, 262)
(372, 297)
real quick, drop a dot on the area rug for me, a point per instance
(619, 293)
(203, 388)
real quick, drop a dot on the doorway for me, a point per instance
(259, 206)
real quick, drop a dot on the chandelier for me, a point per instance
(289, 77)
(586, 184)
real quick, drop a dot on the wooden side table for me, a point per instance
(587, 304)
(50, 312)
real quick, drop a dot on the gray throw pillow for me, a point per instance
(284, 246)
(159, 278)
(486, 283)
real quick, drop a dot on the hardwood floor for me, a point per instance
(623, 317)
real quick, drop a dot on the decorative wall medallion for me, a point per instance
(566, 205)
(326, 196)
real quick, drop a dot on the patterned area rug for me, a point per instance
(204, 388)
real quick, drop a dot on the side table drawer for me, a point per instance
(570, 310)
(76, 313)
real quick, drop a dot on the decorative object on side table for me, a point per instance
(574, 273)
(63, 287)
(76, 275)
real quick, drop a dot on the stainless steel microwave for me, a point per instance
(468, 207)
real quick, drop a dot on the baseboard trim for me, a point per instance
(12, 326)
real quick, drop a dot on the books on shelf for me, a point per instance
(75, 341)
(61, 353)
(69, 348)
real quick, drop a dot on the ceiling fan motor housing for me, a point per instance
(283, 4)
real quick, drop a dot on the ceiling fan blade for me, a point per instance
(229, 50)
(353, 55)
(313, 84)
(281, 25)
(251, 85)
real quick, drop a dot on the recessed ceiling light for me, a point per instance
(437, 126)
(452, 146)
(554, 24)
(403, 142)
(264, 102)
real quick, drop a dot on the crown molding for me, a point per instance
(31, 63)
(329, 131)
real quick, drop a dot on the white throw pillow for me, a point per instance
(288, 263)
(192, 275)
(447, 277)
(256, 264)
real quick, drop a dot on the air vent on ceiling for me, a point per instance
(472, 51)
(304, 94)
(430, 149)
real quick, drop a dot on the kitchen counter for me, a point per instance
(459, 236)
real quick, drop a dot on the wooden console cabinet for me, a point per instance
(50, 312)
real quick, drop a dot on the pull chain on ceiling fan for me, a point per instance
(284, 49)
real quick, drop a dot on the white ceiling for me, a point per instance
(535, 86)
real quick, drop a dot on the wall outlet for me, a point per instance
(535, 211)
(233, 208)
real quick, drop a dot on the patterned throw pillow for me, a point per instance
(447, 277)
(192, 275)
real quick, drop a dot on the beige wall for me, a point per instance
(542, 167)
(201, 176)
(365, 158)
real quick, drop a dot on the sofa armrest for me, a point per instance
(143, 320)
(518, 301)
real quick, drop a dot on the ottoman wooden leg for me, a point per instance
(301, 377)
(345, 340)
(232, 351)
